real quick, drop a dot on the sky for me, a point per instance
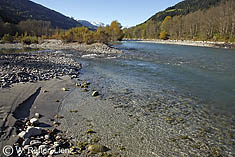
(127, 12)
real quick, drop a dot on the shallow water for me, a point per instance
(160, 98)
(205, 73)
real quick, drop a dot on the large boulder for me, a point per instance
(31, 131)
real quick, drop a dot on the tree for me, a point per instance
(164, 35)
(89, 37)
(34, 27)
(164, 25)
(101, 35)
(115, 31)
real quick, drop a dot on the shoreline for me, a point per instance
(210, 44)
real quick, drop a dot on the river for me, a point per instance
(205, 73)
(162, 100)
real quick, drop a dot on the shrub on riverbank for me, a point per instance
(24, 39)
(7, 38)
(29, 40)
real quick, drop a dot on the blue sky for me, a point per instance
(127, 12)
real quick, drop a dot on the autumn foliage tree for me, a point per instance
(164, 26)
(101, 35)
(115, 31)
(164, 35)
(84, 35)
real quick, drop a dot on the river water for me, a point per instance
(164, 100)
(205, 73)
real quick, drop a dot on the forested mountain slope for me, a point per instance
(14, 11)
(185, 7)
(190, 19)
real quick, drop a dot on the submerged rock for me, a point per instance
(73, 111)
(65, 89)
(97, 148)
(95, 93)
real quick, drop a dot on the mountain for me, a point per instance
(211, 20)
(98, 24)
(185, 7)
(14, 11)
(91, 25)
(88, 24)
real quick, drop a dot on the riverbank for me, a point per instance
(54, 44)
(192, 43)
(32, 84)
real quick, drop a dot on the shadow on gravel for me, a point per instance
(23, 110)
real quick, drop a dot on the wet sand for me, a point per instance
(23, 100)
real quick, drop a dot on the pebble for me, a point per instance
(22, 134)
(47, 137)
(58, 137)
(37, 115)
(34, 121)
(35, 142)
(64, 89)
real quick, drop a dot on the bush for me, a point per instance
(89, 38)
(7, 38)
(29, 40)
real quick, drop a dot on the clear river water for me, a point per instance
(205, 73)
